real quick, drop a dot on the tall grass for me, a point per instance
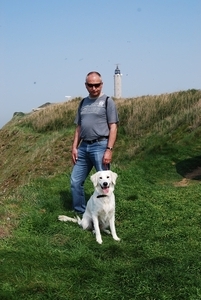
(137, 115)
(43, 139)
(160, 113)
(53, 117)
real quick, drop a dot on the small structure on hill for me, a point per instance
(117, 83)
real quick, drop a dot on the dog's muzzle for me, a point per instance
(105, 185)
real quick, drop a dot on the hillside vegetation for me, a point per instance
(157, 157)
(39, 143)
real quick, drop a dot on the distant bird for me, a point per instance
(34, 82)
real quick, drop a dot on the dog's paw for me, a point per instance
(62, 218)
(116, 238)
(99, 240)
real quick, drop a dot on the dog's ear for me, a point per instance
(94, 179)
(114, 177)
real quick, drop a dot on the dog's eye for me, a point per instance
(108, 176)
(101, 177)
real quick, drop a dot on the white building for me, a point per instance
(117, 83)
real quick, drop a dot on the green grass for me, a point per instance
(158, 211)
(158, 256)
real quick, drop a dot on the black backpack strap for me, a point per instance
(81, 103)
(106, 101)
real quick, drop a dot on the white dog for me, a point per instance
(100, 209)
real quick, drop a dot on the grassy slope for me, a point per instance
(157, 156)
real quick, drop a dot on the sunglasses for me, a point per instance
(96, 85)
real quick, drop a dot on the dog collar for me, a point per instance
(101, 196)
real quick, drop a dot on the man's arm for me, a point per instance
(76, 142)
(112, 135)
(107, 158)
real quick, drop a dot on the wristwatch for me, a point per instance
(109, 148)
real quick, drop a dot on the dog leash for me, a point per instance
(107, 166)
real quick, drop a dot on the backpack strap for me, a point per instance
(81, 103)
(106, 101)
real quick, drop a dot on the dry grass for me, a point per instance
(52, 117)
(38, 144)
(137, 115)
(161, 113)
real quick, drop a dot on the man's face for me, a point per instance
(94, 85)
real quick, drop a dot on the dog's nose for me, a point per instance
(104, 183)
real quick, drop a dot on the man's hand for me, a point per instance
(107, 158)
(74, 155)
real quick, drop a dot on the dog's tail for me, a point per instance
(69, 219)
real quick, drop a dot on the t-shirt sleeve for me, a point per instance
(77, 120)
(112, 113)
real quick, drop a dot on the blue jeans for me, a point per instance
(89, 156)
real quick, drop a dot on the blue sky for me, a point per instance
(48, 47)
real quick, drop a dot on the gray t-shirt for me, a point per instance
(93, 117)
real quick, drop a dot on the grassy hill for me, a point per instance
(39, 143)
(158, 160)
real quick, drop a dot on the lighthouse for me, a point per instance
(117, 83)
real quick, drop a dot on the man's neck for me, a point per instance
(96, 96)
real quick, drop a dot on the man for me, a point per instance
(94, 137)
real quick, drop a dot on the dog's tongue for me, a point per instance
(105, 190)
